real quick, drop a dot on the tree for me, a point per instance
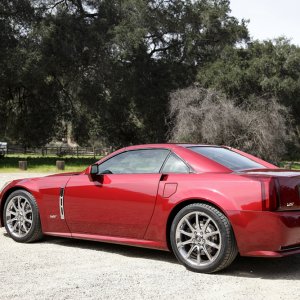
(28, 96)
(261, 69)
(261, 127)
(108, 66)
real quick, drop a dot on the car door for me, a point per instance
(119, 202)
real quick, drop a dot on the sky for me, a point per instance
(270, 19)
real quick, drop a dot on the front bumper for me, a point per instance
(268, 234)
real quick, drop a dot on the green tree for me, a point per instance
(117, 61)
(105, 67)
(261, 69)
(28, 96)
(269, 68)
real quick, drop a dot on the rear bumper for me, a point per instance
(267, 234)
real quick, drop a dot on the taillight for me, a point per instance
(270, 194)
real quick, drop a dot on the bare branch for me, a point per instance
(261, 127)
(57, 3)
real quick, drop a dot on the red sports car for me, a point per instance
(204, 203)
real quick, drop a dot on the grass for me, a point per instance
(294, 166)
(47, 164)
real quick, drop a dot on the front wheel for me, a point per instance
(21, 217)
(202, 238)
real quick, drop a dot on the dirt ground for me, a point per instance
(72, 269)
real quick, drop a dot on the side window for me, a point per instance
(135, 162)
(175, 165)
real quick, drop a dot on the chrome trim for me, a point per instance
(19, 216)
(61, 204)
(290, 248)
(198, 239)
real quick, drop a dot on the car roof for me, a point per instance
(167, 146)
(197, 162)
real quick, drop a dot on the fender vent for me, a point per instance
(61, 203)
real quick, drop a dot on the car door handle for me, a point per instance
(163, 177)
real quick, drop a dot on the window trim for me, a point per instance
(169, 150)
(176, 155)
(222, 147)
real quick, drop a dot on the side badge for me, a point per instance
(53, 216)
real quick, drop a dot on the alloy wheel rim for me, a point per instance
(198, 239)
(19, 216)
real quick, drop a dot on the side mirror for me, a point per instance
(94, 169)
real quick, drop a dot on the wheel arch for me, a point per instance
(181, 205)
(4, 199)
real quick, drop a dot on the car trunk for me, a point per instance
(286, 185)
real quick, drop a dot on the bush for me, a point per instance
(262, 127)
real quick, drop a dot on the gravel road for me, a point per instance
(72, 269)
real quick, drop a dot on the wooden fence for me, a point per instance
(58, 151)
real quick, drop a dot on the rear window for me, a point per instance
(227, 158)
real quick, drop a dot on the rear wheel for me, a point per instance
(202, 238)
(21, 217)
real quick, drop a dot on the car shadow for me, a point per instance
(265, 268)
(287, 268)
(129, 251)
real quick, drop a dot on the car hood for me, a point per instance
(25, 182)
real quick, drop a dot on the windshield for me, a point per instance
(227, 158)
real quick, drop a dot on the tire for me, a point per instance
(21, 217)
(207, 245)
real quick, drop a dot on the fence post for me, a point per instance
(60, 164)
(23, 165)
